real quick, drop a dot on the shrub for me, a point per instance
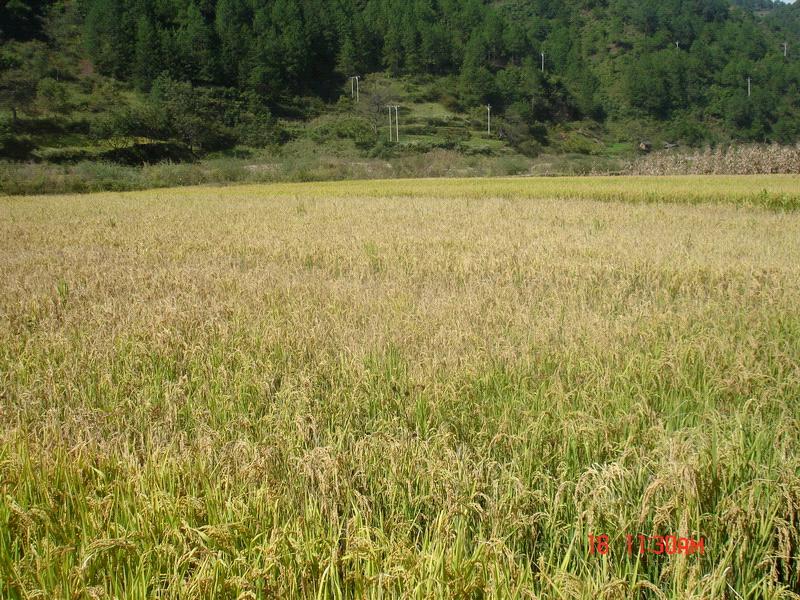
(150, 153)
(353, 128)
(15, 147)
(512, 165)
(451, 103)
(530, 148)
(580, 144)
(51, 95)
(65, 155)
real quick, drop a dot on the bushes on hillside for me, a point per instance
(357, 129)
(15, 147)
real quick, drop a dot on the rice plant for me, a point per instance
(409, 389)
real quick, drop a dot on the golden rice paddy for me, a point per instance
(407, 389)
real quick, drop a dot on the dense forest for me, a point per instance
(215, 73)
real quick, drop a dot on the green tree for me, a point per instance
(393, 51)
(192, 115)
(147, 54)
(476, 83)
(410, 40)
(233, 20)
(435, 48)
(51, 95)
(195, 41)
(516, 42)
(17, 91)
(22, 20)
(493, 36)
(290, 34)
(347, 64)
(108, 37)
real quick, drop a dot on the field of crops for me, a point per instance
(416, 389)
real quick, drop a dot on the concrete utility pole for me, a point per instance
(678, 45)
(489, 119)
(785, 49)
(748, 87)
(396, 125)
(354, 87)
(542, 62)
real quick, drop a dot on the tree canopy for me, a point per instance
(666, 60)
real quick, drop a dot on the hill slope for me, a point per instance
(174, 79)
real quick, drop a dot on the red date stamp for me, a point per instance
(642, 544)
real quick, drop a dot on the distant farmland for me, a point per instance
(415, 389)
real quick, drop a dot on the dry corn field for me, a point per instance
(408, 389)
(740, 159)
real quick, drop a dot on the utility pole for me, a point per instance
(542, 62)
(748, 87)
(785, 49)
(390, 123)
(678, 45)
(354, 87)
(396, 125)
(489, 119)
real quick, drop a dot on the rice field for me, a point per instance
(402, 389)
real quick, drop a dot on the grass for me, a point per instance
(428, 110)
(418, 389)
(777, 192)
(482, 142)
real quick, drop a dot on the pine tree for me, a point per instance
(493, 35)
(17, 91)
(393, 51)
(233, 20)
(265, 74)
(476, 82)
(516, 42)
(435, 49)
(196, 47)
(288, 21)
(410, 41)
(108, 37)
(22, 20)
(347, 63)
(146, 65)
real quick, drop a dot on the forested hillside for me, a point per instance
(213, 74)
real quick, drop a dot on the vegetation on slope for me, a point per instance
(175, 80)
